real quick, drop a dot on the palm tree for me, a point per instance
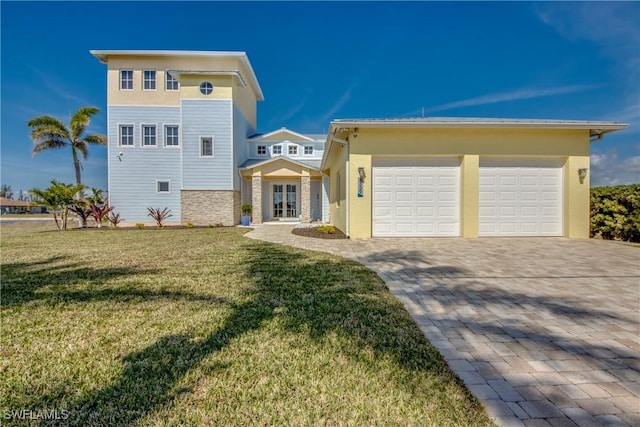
(49, 133)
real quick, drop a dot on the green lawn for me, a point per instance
(207, 327)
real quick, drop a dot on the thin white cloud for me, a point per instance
(337, 106)
(281, 118)
(515, 95)
(609, 169)
(60, 90)
(613, 26)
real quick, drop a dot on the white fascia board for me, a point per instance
(103, 56)
(595, 127)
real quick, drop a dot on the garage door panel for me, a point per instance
(422, 195)
(520, 197)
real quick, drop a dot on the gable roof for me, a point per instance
(283, 134)
(310, 164)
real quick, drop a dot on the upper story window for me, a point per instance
(206, 88)
(206, 146)
(149, 135)
(171, 82)
(276, 149)
(262, 150)
(126, 79)
(149, 80)
(293, 150)
(308, 150)
(171, 136)
(126, 135)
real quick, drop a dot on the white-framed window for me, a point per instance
(126, 79)
(308, 150)
(206, 88)
(171, 82)
(149, 135)
(293, 150)
(276, 149)
(162, 186)
(125, 135)
(206, 146)
(171, 138)
(262, 150)
(149, 79)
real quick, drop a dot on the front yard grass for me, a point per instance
(207, 327)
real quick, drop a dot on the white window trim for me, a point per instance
(142, 126)
(164, 137)
(266, 150)
(133, 84)
(304, 150)
(158, 181)
(213, 146)
(166, 82)
(156, 81)
(273, 150)
(120, 126)
(293, 146)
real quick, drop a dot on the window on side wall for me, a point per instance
(276, 149)
(206, 146)
(149, 80)
(125, 136)
(262, 150)
(149, 136)
(162, 186)
(171, 136)
(293, 150)
(171, 83)
(308, 150)
(126, 79)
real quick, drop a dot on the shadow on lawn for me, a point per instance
(314, 294)
(22, 283)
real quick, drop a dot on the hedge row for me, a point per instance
(615, 212)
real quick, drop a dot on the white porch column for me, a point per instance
(256, 198)
(305, 196)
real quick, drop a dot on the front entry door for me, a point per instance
(284, 201)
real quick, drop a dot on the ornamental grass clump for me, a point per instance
(159, 215)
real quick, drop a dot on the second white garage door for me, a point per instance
(416, 197)
(520, 197)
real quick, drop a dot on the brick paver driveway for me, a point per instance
(544, 331)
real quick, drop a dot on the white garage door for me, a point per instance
(520, 197)
(416, 197)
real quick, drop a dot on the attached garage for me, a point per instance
(520, 197)
(467, 177)
(416, 197)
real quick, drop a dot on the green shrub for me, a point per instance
(189, 225)
(139, 225)
(615, 212)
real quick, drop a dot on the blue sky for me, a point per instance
(319, 61)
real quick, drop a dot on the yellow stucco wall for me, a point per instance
(337, 196)
(470, 145)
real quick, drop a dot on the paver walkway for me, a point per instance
(544, 331)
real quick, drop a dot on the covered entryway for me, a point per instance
(281, 189)
(416, 197)
(520, 197)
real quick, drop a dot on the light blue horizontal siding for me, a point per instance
(132, 180)
(241, 131)
(207, 118)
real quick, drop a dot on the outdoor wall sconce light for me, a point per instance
(361, 182)
(582, 173)
(119, 155)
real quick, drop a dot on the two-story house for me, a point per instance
(182, 134)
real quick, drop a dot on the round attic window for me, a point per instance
(206, 88)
